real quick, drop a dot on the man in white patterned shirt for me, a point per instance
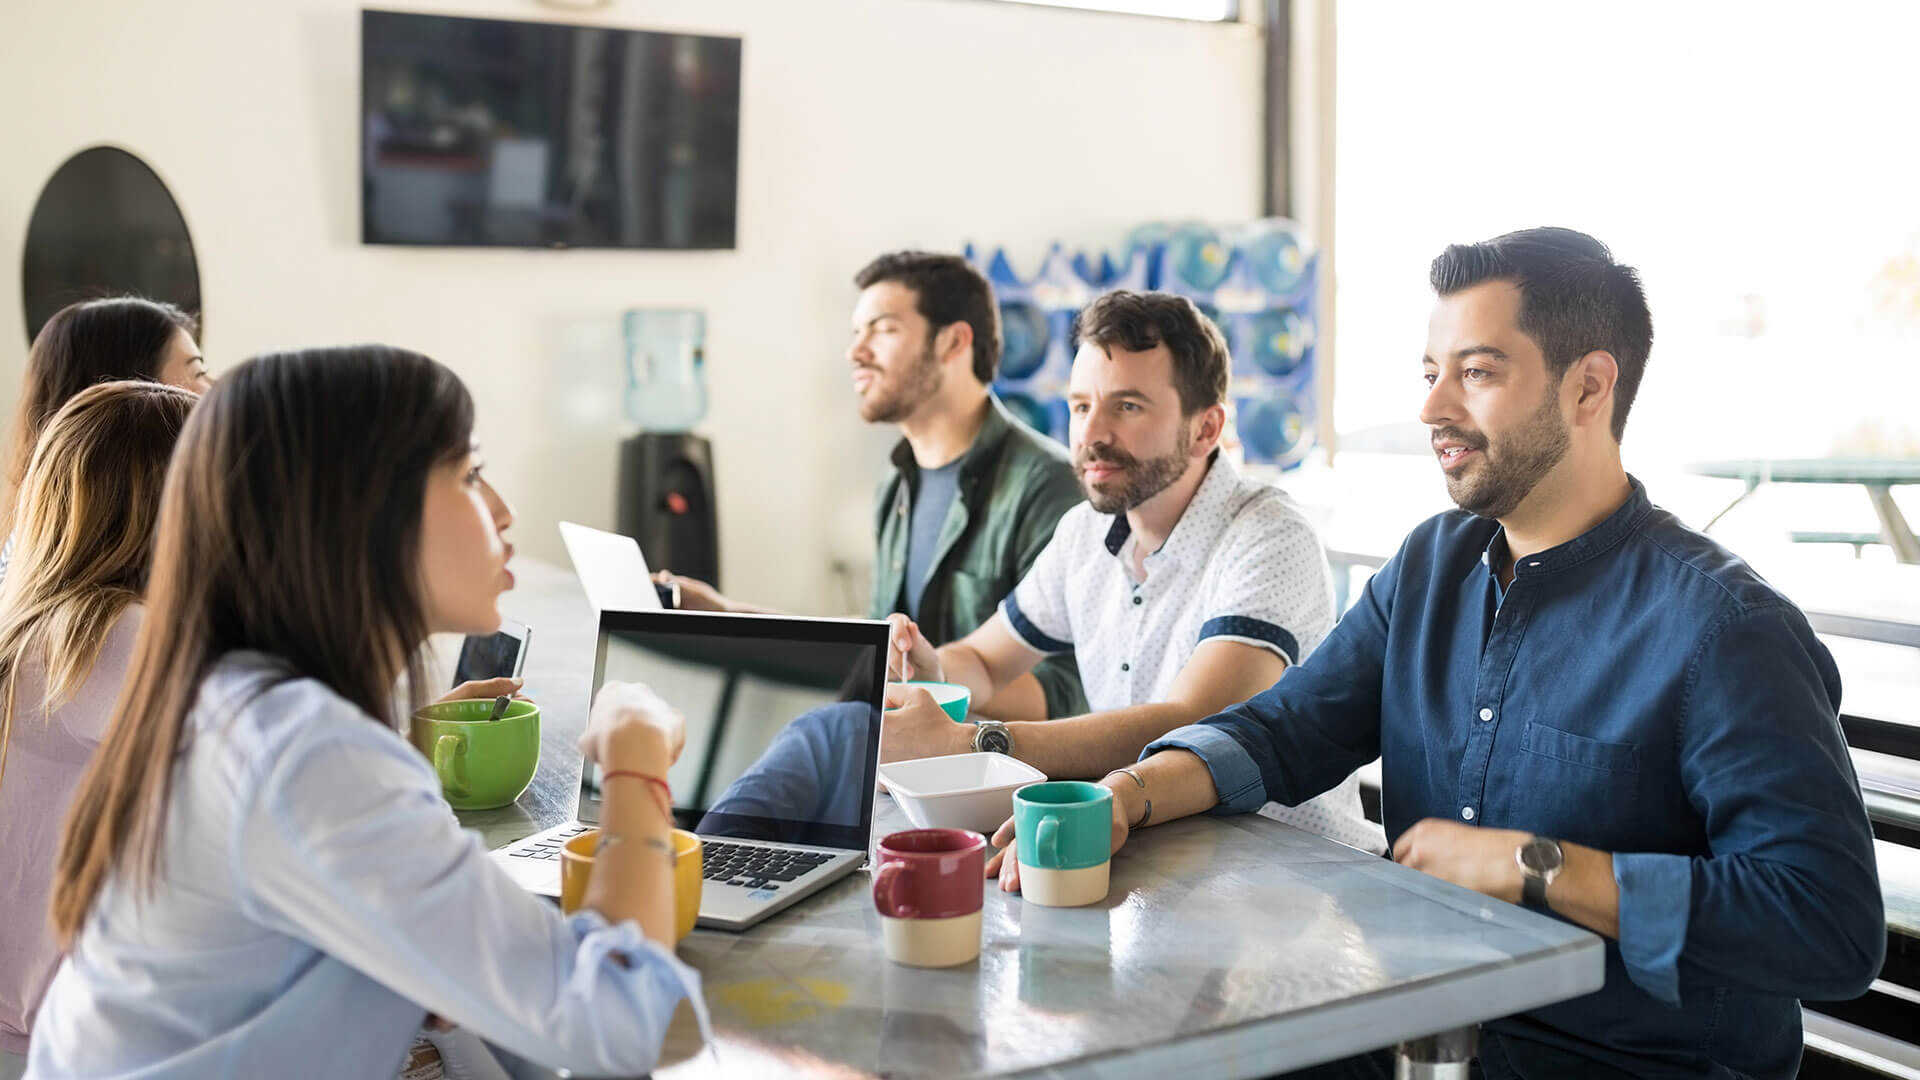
(1182, 587)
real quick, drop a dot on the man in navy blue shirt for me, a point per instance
(1579, 702)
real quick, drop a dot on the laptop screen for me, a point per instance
(783, 719)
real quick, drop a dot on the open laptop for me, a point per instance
(783, 743)
(611, 568)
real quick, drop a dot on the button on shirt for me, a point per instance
(1243, 564)
(1638, 690)
(315, 899)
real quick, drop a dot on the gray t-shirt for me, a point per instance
(937, 488)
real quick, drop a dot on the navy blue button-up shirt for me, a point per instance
(1638, 690)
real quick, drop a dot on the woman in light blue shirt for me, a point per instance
(259, 876)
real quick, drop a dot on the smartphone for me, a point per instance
(495, 655)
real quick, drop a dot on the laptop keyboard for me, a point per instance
(756, 867)
(549, 847)
(748, 865)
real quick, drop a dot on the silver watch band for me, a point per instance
(984, 728)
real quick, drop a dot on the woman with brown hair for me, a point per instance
(90, 342)
(257, 862)
(69, 613)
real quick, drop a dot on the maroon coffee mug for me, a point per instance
(930, 874)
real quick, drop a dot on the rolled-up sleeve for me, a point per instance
(1056, 493)
(348, 846)
(1788, 902)
(1235, 776)
(1037, 609)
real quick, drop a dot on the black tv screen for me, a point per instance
(516, 134)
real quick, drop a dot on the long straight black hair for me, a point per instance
(290, 525)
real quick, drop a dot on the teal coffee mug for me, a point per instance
(952, 698)
(1063, 841)
(481, 763)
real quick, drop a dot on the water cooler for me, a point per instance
(665, 497)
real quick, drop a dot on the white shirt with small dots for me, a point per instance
(1243, 564)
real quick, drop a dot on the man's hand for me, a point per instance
(1480, 859)
(695, 595)
(1006, 862)
(911, 655)
(915, 726)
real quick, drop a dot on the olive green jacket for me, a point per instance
(1014, 485)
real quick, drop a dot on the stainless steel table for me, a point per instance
(1228, 946)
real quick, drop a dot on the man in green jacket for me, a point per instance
(973, 495)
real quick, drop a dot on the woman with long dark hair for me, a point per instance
(259, 876)
(86, 343)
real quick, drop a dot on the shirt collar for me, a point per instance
(1203, 512)
(993, 431)
(1616, 527)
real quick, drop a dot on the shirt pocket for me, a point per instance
(1596, 754)
(972, 597)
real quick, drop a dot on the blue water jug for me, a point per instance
(666, 368)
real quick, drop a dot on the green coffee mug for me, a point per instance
(481, 763)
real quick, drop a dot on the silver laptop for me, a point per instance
(783, 742)
(611, 568)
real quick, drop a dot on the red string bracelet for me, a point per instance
(666, 793)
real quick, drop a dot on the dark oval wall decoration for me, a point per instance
(105, 225)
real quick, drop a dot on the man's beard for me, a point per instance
(1508, 472)
(1141, 481)
(896, 402)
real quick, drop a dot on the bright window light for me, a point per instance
(1200, 10)
(1753, 169)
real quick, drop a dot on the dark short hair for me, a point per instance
(1574, 299)
(947, 290)
(1138, 321)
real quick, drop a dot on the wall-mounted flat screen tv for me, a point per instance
(486, 132)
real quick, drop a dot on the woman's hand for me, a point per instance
(485, 688)
(631, 727)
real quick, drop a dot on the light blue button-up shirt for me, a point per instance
(315, 900)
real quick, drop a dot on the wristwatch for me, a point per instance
(1540, 861)
(992, 737)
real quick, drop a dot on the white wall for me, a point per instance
(867, 125)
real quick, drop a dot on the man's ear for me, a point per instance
(955, 340)
(1212, 426)
(1596, 374)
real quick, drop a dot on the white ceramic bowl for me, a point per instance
(959, 791)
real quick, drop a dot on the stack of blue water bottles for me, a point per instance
(1258, 282)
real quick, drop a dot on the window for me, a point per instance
(1197, 10)
(1756, 169)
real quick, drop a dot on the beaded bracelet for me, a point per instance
(608, 839)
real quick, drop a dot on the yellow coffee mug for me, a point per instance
(576, 869)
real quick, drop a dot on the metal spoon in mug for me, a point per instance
(500, 707)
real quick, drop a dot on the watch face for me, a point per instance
(995, 742)
(1540, 855)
